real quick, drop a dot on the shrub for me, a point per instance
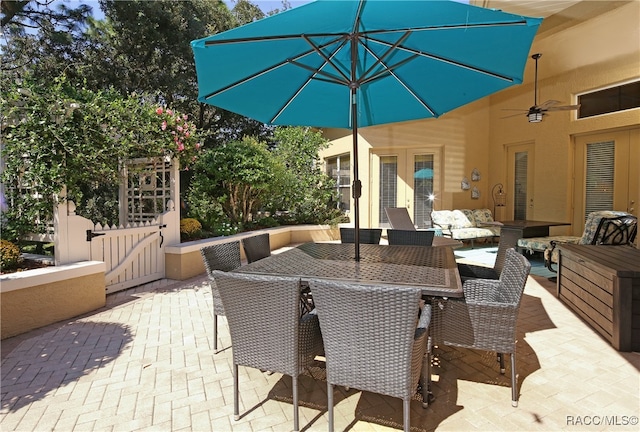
(189, 228)
(9, 255)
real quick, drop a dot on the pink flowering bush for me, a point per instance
(183, 140)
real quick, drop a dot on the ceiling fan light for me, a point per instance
(535, 117)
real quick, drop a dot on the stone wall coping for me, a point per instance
(41, 276)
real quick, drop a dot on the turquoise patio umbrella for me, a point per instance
(350, 64)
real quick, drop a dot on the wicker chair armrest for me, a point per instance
(481, 290)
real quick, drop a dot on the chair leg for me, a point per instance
(425, 375)
(330, 404)
(296, 419)
(501, 360)
(236, 409)
(514, 381)
(215, 333)
(406, 405)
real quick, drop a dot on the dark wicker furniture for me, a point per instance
(367, 235)
(271, 336)
(371, 339)
(225, 257)
(256, 247)
(398, 237)
(486, 318)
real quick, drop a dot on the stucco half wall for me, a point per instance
(184, 261)
(36, 298)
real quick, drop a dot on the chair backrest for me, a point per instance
(262, 313)
(620, 230)
(513, 277)
(409, 237)
(593, 224)
(222, 256)
(399, 218)
(256, 247)
(368, 334)
(367, 235)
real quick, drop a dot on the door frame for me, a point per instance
(405, 158)
(627, 173)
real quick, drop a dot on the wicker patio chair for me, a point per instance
(371, 339)
(286, 345)
(471, 271)
(409, 237)
(367, 235)
(256, 247)
(225, 257)
(486, 318)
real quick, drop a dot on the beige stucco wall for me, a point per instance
(601, 51)
(183, 261)
(36, 298)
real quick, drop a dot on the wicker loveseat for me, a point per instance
(465, 224)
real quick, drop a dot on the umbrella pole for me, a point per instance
(356, 189)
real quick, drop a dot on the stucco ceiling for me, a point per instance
(558, 14)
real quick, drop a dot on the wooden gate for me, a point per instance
(133, 255)
(133, 251)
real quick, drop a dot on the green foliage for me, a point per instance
(56, 134)
(238, 175)
(9, 255)
(305, 190)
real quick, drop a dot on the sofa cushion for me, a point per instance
(470, 233)
(540, 244)
(482, 216)
(463, 219)
(443, 218)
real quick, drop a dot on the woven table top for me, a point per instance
(432, 269)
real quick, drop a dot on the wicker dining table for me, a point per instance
(432, 269)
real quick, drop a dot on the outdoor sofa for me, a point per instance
(465, 224)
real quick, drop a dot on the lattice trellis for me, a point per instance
(149, 185)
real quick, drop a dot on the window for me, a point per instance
(339, 168)
(609, 100)
(388, 185)
(600, 175)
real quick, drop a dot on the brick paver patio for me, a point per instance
(145, 362)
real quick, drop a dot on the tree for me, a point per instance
(239, 175)
(305, 189)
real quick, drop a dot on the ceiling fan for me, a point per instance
(536, 112)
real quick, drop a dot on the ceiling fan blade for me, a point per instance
(515, 109)
(523, 113)
(564, 108)
(547, 104)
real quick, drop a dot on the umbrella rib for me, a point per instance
(445, 60)
(333, 80)
(372, 32)
(448, 27)
(381, 58)
(269, 69)
(328, 59)
(390, 69)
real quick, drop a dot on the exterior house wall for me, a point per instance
(601, 51)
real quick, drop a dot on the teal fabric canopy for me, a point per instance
(350, 64)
